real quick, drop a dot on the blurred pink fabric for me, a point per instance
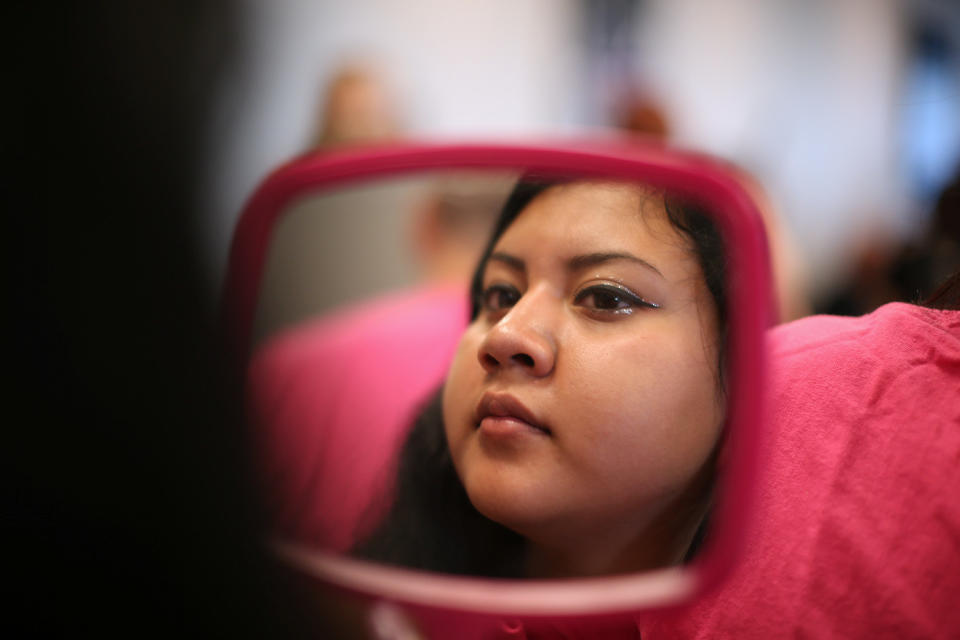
(858, 534)
(333, 400)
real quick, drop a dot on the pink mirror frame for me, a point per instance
(711, 183)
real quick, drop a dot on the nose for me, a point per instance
(523, 340)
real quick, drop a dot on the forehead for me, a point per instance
(586, 217)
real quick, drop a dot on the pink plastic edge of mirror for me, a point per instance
(711, 182)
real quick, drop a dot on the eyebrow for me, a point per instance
(578, 262)
(509, 260)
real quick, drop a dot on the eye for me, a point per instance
(607, 298)
(498, 297)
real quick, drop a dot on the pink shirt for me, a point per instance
(859, 514)
(334, 399)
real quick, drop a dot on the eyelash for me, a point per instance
(624, 295)
(614, 292)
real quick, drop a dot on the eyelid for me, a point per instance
(496, 286)
(622, 289)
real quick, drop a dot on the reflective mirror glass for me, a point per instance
(509, 374)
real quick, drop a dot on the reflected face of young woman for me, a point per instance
(583, 402)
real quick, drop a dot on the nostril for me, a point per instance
(523, 359)
(489, 360)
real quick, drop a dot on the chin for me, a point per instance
(515, 502)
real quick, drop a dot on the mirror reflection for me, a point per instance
(353, 243)
(546, 401)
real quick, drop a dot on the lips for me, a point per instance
(502, 405)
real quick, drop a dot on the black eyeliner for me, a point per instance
(622, 291)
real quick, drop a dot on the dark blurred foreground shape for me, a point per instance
(129, 493)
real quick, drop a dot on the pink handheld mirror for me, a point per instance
(338, 366)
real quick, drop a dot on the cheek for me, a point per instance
(650, 409)
(464, 377)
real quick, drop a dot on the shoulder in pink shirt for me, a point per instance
(858, 533)
(332, 400)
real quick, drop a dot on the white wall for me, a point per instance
(468, 68)
(803, 94)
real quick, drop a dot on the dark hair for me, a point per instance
(947, 296)
(431, 523)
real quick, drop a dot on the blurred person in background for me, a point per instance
(130, 494)
(890, 271)
(639, 113)
(352, 379)
(357, 107)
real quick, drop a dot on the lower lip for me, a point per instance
(506, 427)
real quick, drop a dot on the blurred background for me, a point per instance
(847, 113)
